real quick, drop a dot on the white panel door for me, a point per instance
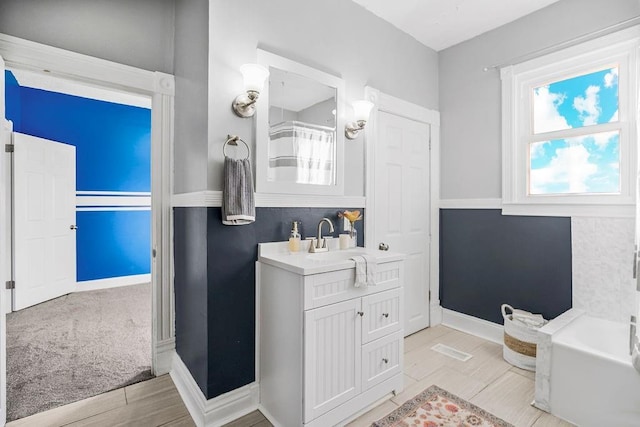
(401, 203)
(332, 372)
(44, 220)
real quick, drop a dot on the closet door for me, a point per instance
(332, 348)
(44, 220)
(402, 207)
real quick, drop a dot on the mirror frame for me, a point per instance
(263, 185)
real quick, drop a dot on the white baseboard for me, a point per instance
(472, 325)
(165, 351)
(112, 282)
(219, 410)
(435, 314)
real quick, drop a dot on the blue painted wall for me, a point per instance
(117, 243)
(12, 99)
(112, 140)
(113, 153)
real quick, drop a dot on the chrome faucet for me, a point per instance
(319, 244)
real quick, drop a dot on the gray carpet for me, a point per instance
(77, 346)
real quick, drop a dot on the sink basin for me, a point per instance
(306, 263)
(332, 256)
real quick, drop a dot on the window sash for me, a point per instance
(518, 81)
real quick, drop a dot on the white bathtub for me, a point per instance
(584, 372)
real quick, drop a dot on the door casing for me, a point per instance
(160, 87)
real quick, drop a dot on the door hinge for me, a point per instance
(9, 148)
(10, 284)
(429, 296)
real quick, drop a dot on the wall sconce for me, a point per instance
(254, 76)
(361, 110)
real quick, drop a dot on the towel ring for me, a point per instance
(233, 140)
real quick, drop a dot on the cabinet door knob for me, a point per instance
(360, 313)
(383, 247)
(385, 360)
(385, 314)
(73, 227)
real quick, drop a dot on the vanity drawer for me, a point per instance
(381, 314)
(335, 286)
(381, 359)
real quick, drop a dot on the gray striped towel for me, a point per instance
(238, 206)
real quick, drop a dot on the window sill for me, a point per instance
(569, 210)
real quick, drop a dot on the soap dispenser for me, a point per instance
(294, 238)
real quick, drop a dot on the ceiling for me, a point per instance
(440, 24)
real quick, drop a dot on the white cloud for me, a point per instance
(601, 139)
(569, 166)
(546, 117)
(588, 106)
(611, 78)
(614, 118)
(537, 149)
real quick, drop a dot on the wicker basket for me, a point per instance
(519, 342)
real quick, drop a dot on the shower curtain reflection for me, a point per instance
(302, 153)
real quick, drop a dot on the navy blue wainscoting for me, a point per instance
(487, 259)
(229, 290)
(190, 283)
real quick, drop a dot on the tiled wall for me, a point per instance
(603, 284)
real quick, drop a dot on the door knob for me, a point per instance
(73, 227)
(383, 247)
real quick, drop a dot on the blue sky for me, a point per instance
(585, 164)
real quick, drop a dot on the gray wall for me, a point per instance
(137, 33)
(470, 98)
(191, 108)
(335, 36)
(319, 114)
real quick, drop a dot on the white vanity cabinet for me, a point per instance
(327, 350)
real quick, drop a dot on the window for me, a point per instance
(569, 119)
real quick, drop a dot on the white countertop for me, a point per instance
(305, 263)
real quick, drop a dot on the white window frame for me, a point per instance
(518, 82)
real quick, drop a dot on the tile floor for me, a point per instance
(486, 380)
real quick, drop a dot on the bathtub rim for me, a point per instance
(571, 342)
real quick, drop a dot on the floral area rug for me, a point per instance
(436, 407)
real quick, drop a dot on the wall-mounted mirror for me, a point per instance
(299, 148)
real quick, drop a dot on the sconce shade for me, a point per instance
(254, 76)
(361, 110)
